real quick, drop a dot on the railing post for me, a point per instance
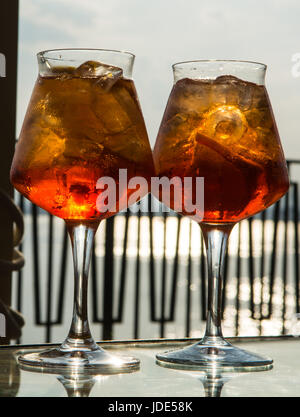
(107, 333)
(8, 84)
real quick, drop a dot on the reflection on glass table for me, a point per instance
(156, 381)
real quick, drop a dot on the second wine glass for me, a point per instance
(218, 125)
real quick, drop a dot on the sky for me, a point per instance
(162, 32)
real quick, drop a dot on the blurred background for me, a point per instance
(150, 280)
(161, 33)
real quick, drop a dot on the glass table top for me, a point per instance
(155, 381)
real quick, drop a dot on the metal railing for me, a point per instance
(261, 283)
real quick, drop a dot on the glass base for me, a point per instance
(201, 356)
(93, 361)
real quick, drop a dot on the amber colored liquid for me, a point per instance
(223, 130)
(75, 132)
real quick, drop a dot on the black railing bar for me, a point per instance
(123, 274)
(273, 259)
(36, 266)
(62, 276)
(202, 279)
(251, 267)
(49, 278)
(108, 280)
(238, 277)
(225, 279)
(137, 280)
(188, 287)
(20, 272)
(94, 285)
(151, 265)
(292, 161)
(296, 243)
(163, 279)
(175, 273)
(262, 268)
(285, 263)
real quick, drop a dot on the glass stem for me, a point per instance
(82, 237)
(216, 239)
(213, 383)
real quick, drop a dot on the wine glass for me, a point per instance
(83, 127)
(218, 125)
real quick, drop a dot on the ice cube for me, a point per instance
(191, 96)
(106, 75)
(224, 122)
(235, 91)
